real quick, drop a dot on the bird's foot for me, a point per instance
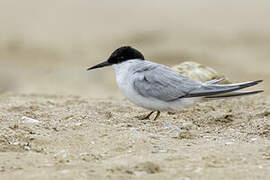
(144, 117)
(157, 116)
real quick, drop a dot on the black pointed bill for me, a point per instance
(100, 65)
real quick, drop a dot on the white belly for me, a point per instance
(125, 80)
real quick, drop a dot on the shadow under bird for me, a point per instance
(158, 88)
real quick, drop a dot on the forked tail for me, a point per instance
(212, 90)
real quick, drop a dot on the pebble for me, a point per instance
(228, 143)
(139, 173)
(29, 120)
(27, 148)
(77, 124)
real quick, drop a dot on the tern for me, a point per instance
(158, 88)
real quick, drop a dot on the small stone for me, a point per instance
(253, 139)
(29, 120)
(27, 148)
(229, 143)
(187, 125)
(77, 124)
(139, 173)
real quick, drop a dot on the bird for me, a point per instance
(158, 88)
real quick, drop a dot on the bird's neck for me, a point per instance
(125, 67)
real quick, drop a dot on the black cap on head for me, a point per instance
(121, 54)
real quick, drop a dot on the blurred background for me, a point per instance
(46, 46)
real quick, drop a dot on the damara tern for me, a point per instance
(157, 88)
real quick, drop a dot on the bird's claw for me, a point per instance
(144, 117)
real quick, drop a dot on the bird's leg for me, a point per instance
(157, 116)
(146, 116)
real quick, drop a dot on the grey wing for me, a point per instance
(162, 83)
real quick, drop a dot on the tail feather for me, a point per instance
(234, 94)
(213, 89)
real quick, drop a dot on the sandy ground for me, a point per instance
(85, 128)
(79, 138)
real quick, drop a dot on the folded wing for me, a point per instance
(162, 83)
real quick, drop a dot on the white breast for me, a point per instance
(125, 77)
